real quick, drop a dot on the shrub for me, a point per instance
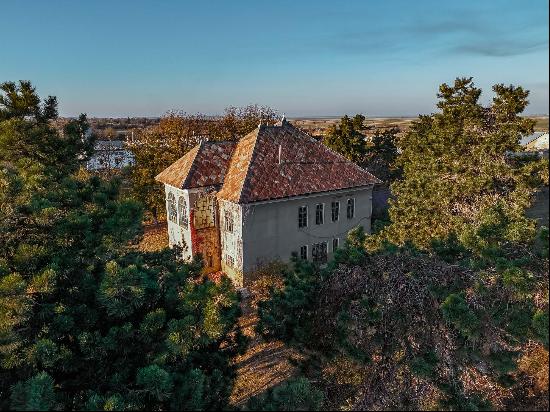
(294, 395)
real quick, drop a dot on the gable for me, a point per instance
(204, 165)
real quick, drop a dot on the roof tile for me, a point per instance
(204, 165)
(272, 162)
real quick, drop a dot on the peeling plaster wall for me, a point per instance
(178, 235)
(271, 232)
(231, 241)
(204, 227)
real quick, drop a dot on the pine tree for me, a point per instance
(346, 138)
(87, 321)
(455, 166)
(381, 155)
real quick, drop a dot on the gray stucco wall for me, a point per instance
(270, 229)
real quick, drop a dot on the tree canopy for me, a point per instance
(157, 147)
(86, 320)
(456, 166)
(347, 138)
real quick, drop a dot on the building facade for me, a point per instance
(110, 154)
(275, 192)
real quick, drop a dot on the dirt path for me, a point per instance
(264, 365)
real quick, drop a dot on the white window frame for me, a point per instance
(337, 203)
(322, 213)
(229, 224)
(302, 224)
(306, 250)
(337, 242)
(172, 207)
(315, 248)
(352, 199)
(183, 220)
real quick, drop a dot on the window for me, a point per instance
(319, 214)
(335, 244)
(319, 252)
(230, 261)
(351, 208)
(204, 211)
(335, 211)
(303, 252)
(182, 212)
(228, 218)
(302, 216)
(171, 207)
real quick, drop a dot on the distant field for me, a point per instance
(542, 123)
(317, 126)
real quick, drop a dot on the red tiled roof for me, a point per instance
(251, 170)
(204, 165)
(306, 166)
(177, 172)
(238, 168)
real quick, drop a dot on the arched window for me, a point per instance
(171, 207)
(182, 211)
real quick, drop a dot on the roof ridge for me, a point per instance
(247, 175)
(345, 159)
(193, 164)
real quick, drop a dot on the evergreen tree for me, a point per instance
(87, 321)
(382, 154)
(293, 395)
(346, 138)
(455, 166)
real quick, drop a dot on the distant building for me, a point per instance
(275, 192)
(535, 144)
(526, 140)
(110, 154)
(538, 141)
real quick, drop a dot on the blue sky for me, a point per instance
(304, 58)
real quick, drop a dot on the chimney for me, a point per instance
(280, 150)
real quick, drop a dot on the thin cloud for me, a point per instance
(452, 34)
(449, 26)
(503, 48)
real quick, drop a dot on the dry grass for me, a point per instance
(318, 126)
(541, 123)
(265, 364)
(534, 363)
(155, 237)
